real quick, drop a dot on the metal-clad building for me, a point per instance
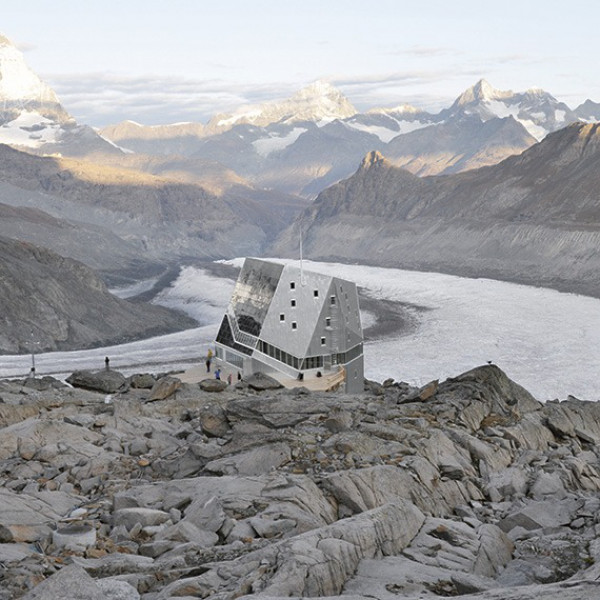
(283, 319)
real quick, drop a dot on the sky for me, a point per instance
(154, 61)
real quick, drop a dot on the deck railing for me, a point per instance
(241, 337)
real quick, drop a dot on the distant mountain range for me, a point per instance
(315, 138)
(533, 218)
(298, 145)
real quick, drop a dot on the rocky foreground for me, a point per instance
(161, 490)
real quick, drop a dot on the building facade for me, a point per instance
(284, 320)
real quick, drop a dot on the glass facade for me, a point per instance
(225, 337)
(310, 362)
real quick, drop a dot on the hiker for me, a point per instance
(107, 363)
(209, 356)
(229, 379)
(218, 373)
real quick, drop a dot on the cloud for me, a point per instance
(419, 88)
(26, 47)
(102, 98)
(425, 51)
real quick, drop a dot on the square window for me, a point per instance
(292, 285)
(292, 303)
(282, 317)
(323, 341)
(294, 325)
(332, 300)
(328, 322)
(316, 293)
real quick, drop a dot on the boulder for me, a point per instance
(24, 518)
(253, 462)
(510, 483)
(546, 515)
(207, 515)
(115, 589)
(214, 421)
(261, 382)
(146, 517)
(213, 385)
(43, 383)
(70, 583)
(163, 388)
(106, 381)
(142, 381)
(547, 486)
(186, 531)
(270, 528)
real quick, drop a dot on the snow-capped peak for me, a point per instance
(31, 114)
(482, 91)
(317, 102)
(401, 109)
(535, 91)
(19, 85)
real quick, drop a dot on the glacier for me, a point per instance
(545, 340)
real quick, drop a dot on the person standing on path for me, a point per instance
(209, 356)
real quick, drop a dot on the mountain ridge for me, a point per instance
(295, 154)
(59, 303)
(533, 218)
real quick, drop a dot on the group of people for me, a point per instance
(209, 357)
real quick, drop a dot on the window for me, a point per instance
(293, 303)
(332, 300)
(316, 293)
(328, 322)
(294, 325)
(323, 341)
(292, 285)
(282, 317)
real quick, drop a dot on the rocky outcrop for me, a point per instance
(476, 490)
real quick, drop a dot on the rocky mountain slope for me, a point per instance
(316, 137)
(156, 219)
(588, 111)
(48, 302)
(469, 488)
(532, 218)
